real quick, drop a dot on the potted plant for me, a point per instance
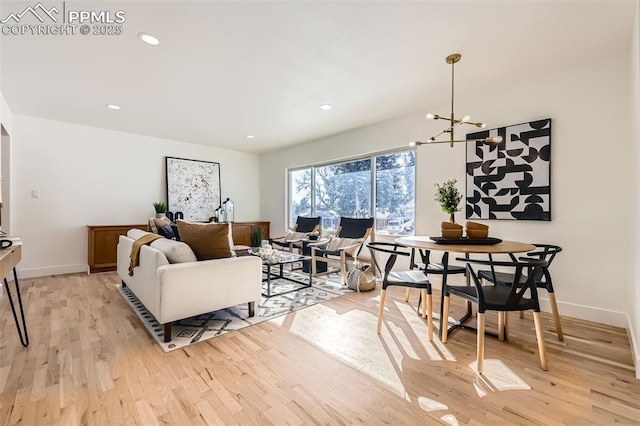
(161, 208)
(449, 198)
(256, 236)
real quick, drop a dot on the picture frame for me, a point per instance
(193, 188)
(510, 179)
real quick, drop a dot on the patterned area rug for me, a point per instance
(202, 327)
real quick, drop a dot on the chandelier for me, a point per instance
(453, 121)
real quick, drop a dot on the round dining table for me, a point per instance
(459, 246)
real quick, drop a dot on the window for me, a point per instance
(346, 189)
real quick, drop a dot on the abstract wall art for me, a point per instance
(511, 179)
(193, 188)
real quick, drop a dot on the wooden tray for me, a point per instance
(489, 241)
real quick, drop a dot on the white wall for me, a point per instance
(6, 120)
(634, 271)
(592, 186)
(90, 176)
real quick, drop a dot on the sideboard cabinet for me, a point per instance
(103, 246)
(103, 242)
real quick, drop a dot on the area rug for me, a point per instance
(206, 326)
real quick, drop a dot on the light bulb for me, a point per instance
(466, 118)
(497, 139)
(482, 125)
(430, 116)
(413, 144)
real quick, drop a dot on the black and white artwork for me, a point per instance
(193, 188)
(511, 179)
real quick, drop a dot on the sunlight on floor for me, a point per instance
(496, 377)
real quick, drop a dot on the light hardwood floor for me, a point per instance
(91, 362)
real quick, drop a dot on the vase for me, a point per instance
(160, 215)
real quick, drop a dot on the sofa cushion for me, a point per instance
(207, 240)
(175, 251)
(167, 232)
(155, 223)
(134, 234)
(335, 243)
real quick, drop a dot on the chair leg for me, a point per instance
(480, 355)
(343, 267)
(423, 303)
(383, 296)
(430, 319)
(556, 316)
(506, 325)
(540, 338)
(406, 294)
(313, 263)
(444, 319)
(501, 326)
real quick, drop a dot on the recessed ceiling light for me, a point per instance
(149, 39)
(250, 136)
(111, 106)
(326, 107)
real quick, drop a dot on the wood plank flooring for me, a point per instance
(91, 362)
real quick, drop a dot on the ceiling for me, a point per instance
(224, 70)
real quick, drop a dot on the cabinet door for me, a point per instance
(242, 233)
(103, 246)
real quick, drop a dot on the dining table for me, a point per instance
(465, 247)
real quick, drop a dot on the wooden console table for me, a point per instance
(103, 246)
(9, 258)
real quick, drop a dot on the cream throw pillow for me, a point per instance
(292, 235)
(336, 243)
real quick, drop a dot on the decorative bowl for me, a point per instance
(476, 225)
(477, 233)
(451, 233)
(450, 225)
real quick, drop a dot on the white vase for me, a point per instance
(160, 215)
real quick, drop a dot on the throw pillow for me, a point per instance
(336, 242)
(166, 231)
(175, 251)
(291, 235)
(159, 223)
(207, 240)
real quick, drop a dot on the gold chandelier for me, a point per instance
(453, 121)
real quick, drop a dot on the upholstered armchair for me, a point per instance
(303, 227)
(344, 245)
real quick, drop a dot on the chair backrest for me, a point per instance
(517, 288)
(307, 224)
(544, 252)
(393, 250)
(351, 227)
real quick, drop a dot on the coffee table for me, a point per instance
(284, 258)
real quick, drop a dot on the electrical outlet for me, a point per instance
(35, 193)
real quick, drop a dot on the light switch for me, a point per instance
(35, 193)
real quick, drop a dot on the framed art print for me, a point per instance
(510, 179)
(193, 188)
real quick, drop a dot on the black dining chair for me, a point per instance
(500, 298)
(542, 279)
(410, 279)
(433, 268)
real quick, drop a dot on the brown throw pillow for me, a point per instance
(159, 223)
(207, 240)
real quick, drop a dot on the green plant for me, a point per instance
(448, 196)
(256, 236)
(160, 207)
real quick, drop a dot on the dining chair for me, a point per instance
(542, 279)
(500, 298)
(411, 279)
(300, 231)
(344, 245)
(431, 268)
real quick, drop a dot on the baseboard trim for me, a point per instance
(589, 313)
(52, 270)
(635, 350)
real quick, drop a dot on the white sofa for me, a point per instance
(173, 291)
